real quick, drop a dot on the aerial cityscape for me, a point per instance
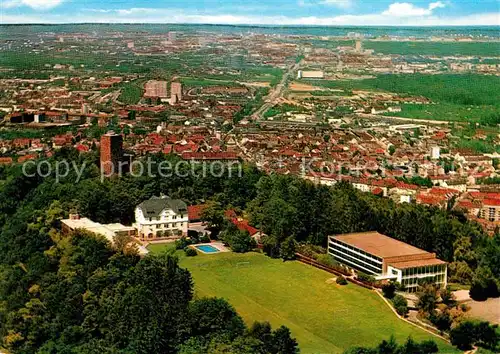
(291, 177)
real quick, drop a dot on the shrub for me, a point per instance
(400, 305)
(182, 243)
(325, 260)
(447, 297)
(205, 239)
(190, 252)
(441, 320)
(389, 290)
(310, 251)
(287, 250)
(365, 278)
(341, 280)
(193, 236)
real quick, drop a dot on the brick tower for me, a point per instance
(111, 153)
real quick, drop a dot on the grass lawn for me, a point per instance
(325, 318)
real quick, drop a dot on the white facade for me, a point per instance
(169, 222)
(435, 152)
(310, 74)
(411, 276)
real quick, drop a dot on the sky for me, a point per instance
(267, 12)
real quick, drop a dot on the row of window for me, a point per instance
(174, 217)
(345, 245)
(438, 279)
(492, 214)
(166, 226)
(166, 233)
(375, 264)
(354, 262)
(355, 266)
(440, 268)
(415, 288)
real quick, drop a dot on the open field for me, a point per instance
(299, 86)
(325, 317)
(469, 98)
(434, 48)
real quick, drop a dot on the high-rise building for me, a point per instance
(175, 92)
(155, 89)
(111, 153)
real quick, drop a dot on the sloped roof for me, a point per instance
(155, 205)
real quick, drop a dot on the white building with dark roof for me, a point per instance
(161, 218)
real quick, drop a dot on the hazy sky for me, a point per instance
(313, 12)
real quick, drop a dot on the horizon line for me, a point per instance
(233, 24)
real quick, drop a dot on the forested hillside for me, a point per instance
(78, 295)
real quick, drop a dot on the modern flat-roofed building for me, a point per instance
(109, 231)
(388, 259)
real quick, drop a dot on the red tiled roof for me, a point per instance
(27, 157)
(167, 149)
(430, 199)
(209, 156)
(5, 160)
(243, 225)
(82, 148)
(491, 202)
(194, 212)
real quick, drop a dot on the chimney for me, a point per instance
(74, 216)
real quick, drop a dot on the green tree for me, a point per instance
(131, 115)
(427, 299)
(210, 316)
(283, 342)
(463, 336)
(400, 305)
(389, 290)
(239, 240)
(287, 249)
(213, 215)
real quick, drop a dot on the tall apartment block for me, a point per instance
(175, 92)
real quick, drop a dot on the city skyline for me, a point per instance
(275, 12)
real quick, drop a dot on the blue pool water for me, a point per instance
(207, 249)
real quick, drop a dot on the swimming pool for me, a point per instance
(207, 249)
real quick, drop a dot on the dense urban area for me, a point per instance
(306, 190)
